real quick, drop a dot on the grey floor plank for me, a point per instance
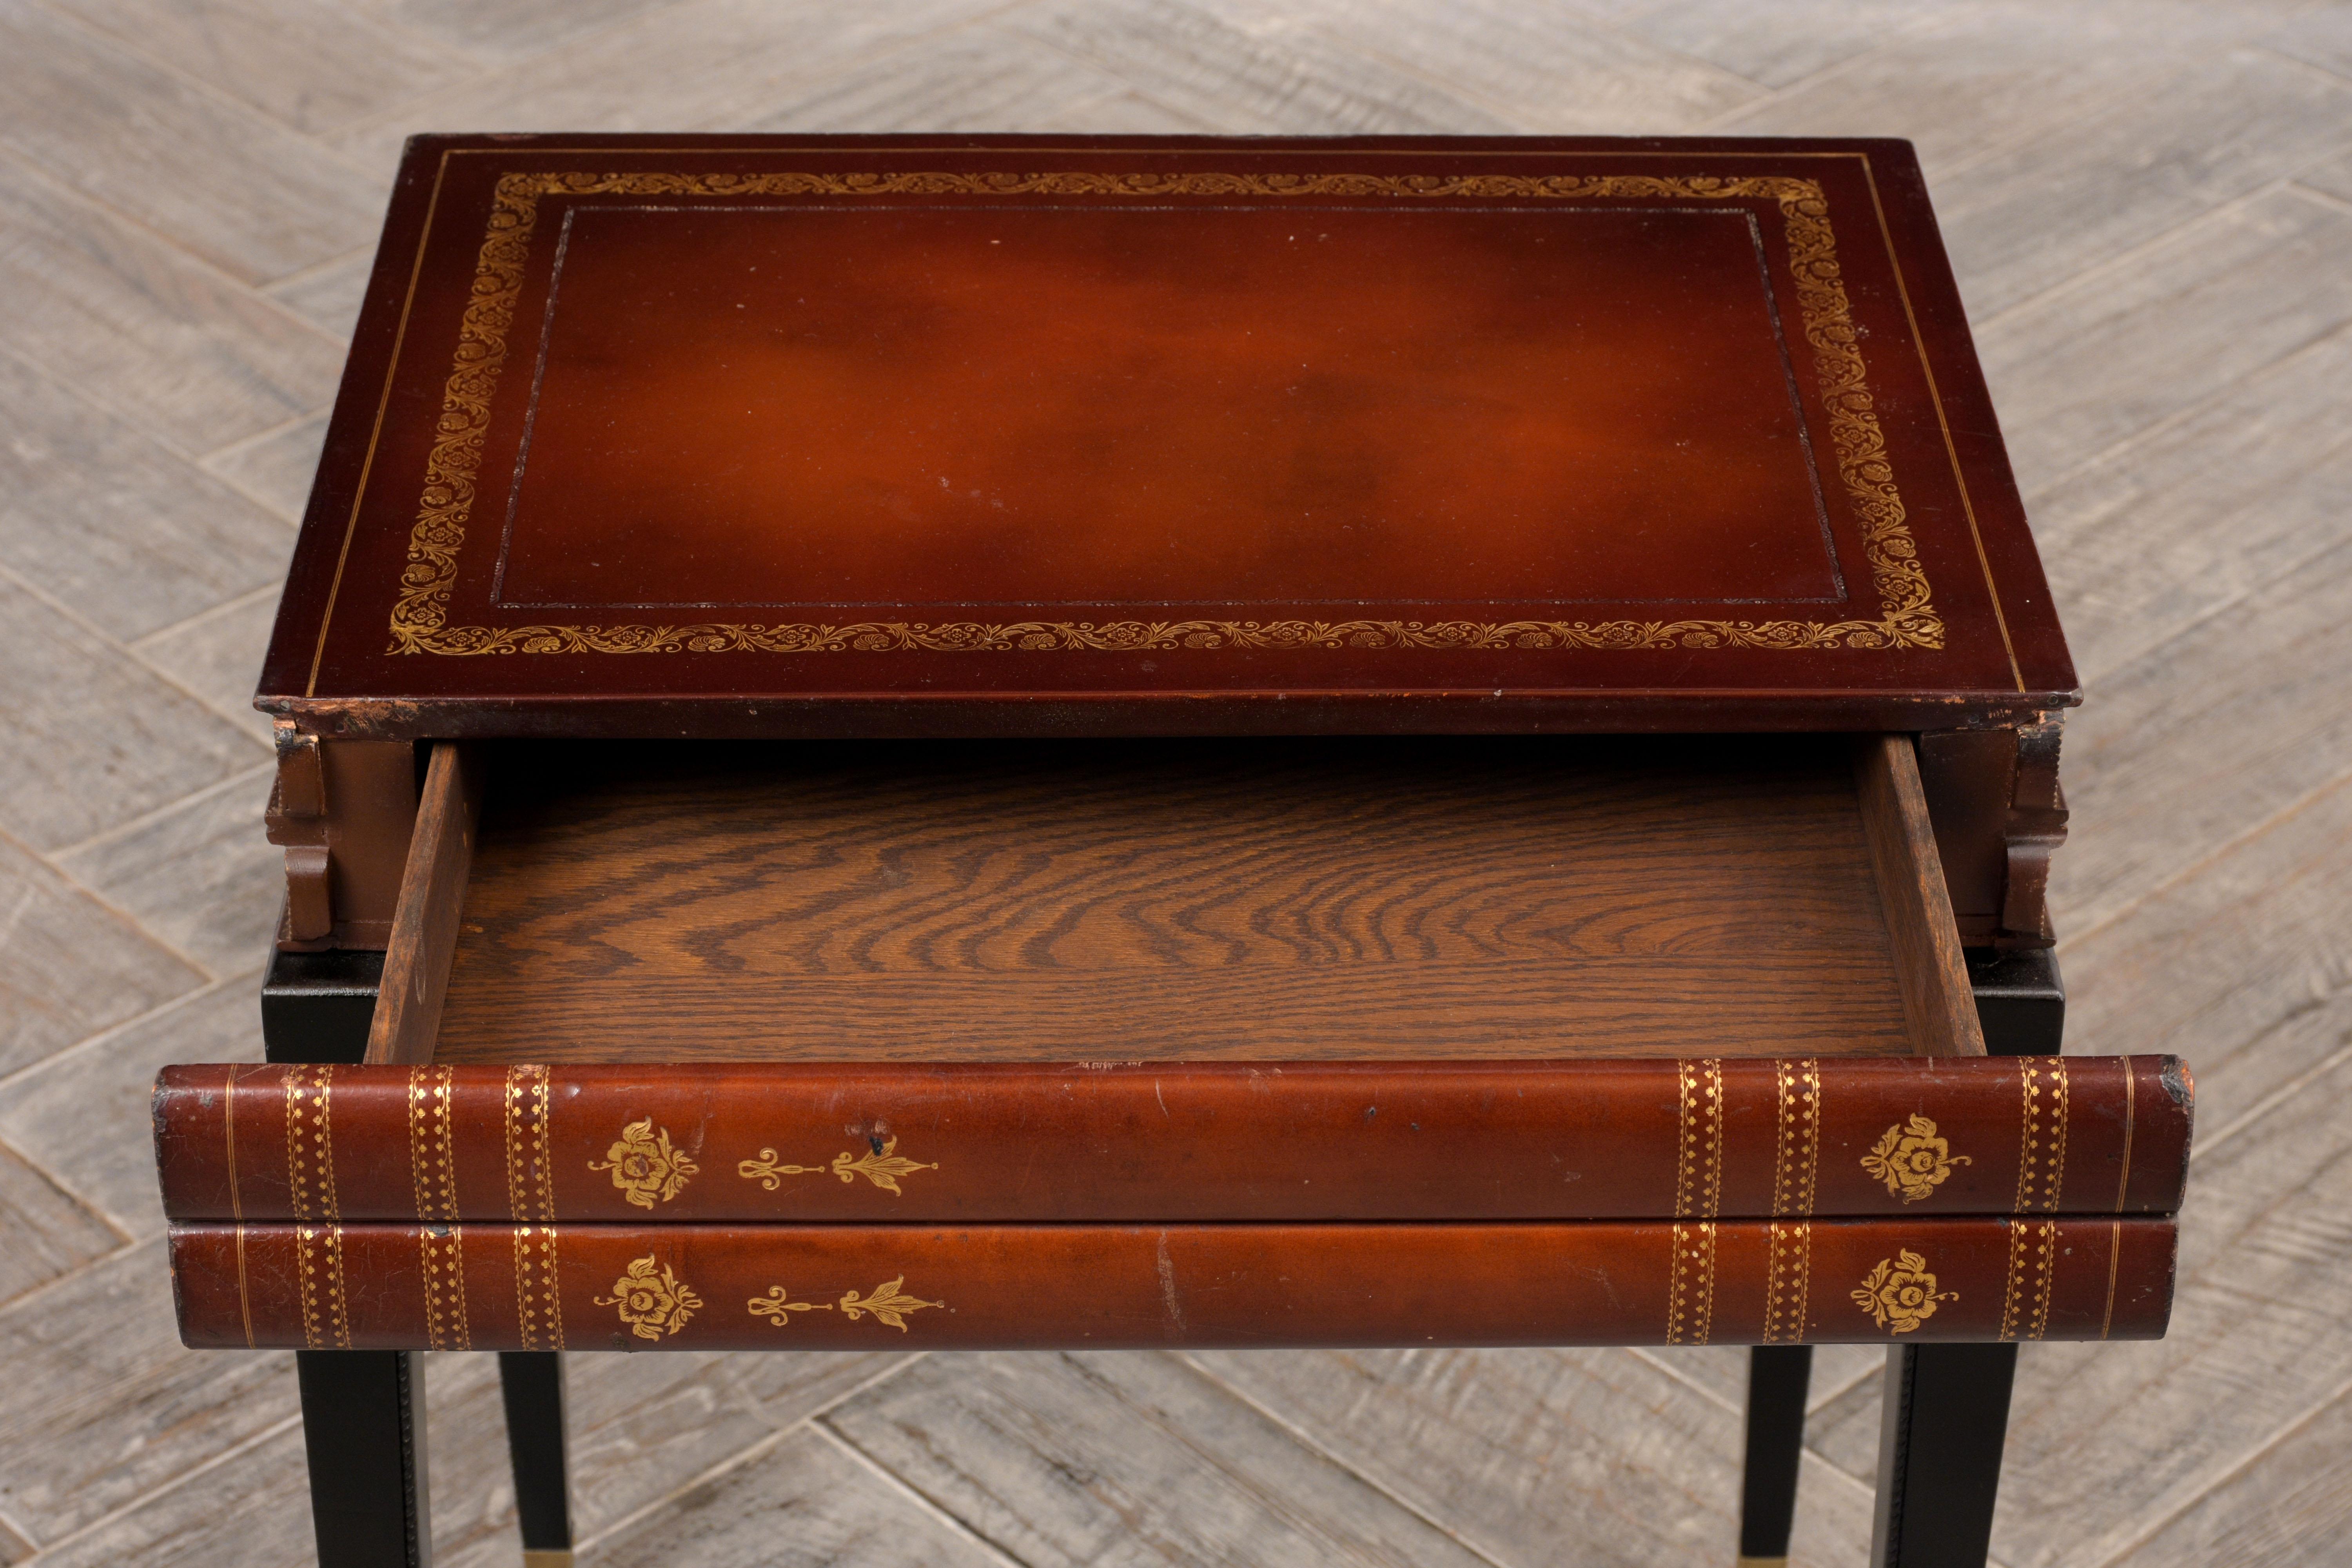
(1722, 1370)
(104, 518)
(2322, 37)
(84, 1115)
(501, 32)
(1119, 1459)
(64, 778)
(194, 873)
(254, 1511)
(69, 967)
(977, 78)
(2104, 359)
(2199, 741)
(274, 469)
(2292, 1506)
(1539, 65)
(45, 1232)
(1519, 1451)
(2333, 178)
(308, 67)
(2025, 219)
(217, 655)
(705, 63)
(2245, 969)
(1972, 78)
(1251, 80)
(149, 332)
(2201, 511)
(235, 187)
(647, 1426)
(104, 1404)
(1126, 112)
(803, 1503)
(328, 296)
(1778, 45)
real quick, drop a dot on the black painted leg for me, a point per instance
(362, 1421)
(1778, 1377)
(317, 1006)
(2020, 1001)
(1939, 1442)
(532, 1381)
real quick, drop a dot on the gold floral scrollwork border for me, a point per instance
(1906, 619)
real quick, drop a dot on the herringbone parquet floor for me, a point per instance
(2150, 205)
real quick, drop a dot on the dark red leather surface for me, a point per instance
(614, 1287)
(741, 437)
(1225, 1140)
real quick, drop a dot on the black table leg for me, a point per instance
(363, 1429)
(317, 1006)
(1778, 1377)
(2020, 1001)
(532, 1381)
(1939, 1442)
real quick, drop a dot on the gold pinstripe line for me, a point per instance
(2123, 1181)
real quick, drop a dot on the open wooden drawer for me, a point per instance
(1263, 900)
(1307, 1042)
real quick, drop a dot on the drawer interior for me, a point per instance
(1416, 898)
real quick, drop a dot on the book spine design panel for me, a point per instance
(609, 1287)
(1693, 1142)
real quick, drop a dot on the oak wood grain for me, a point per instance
(1936, 1002)
(425, 928)
(1308, 900)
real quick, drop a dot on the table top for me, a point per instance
(1023, 436)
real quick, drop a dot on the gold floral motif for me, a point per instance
(882, 1165)
(1906, 619)
(777, 1306)
(653, 1300)
(644, 1165)
(1900, 1294)
(1912, 1159)
(885, 1304)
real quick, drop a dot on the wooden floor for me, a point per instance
(2150, 205)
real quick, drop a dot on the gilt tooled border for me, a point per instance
(530, 1194)
(1698, 1194)
(2042, 1136)
(2032, 1273)
(310, 1193)
(1906, 619)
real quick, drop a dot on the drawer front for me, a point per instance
(763, 1144)
(1066, 1286)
